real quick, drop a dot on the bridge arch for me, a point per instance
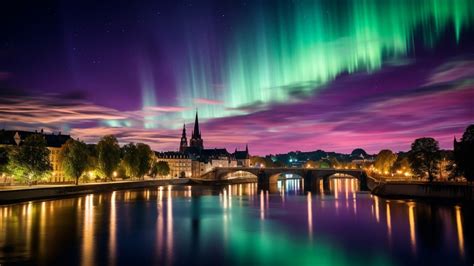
(284, 176)
(237, 174)
(359, 175)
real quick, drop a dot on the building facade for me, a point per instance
(180, 164)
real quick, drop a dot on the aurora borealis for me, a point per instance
(278, 75)
(294, 48)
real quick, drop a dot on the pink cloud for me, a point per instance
(166, 109)
(207, 101)
(452, 71)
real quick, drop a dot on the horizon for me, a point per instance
(238, 149)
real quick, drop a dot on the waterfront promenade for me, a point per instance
(25, 193)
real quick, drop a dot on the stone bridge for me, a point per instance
(268, 176)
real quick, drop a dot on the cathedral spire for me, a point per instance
(197, 132)
(184, 140)
(196, 140)
(183, 135)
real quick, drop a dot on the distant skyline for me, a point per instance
(277, 75)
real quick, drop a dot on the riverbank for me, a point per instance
(455, 191)
(62, 191)
(40, 192)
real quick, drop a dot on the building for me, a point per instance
(194, 160)
(54, 143)
(242, 157)
(196, 141)
(184, 140)
(180, 163)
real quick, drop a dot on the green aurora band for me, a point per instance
(285, 52)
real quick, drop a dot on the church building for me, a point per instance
(202, 160)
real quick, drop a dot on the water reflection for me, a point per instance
(460, 230)
(389, 221)
(411, 217)
(169, 226)
(310, 214)
(159, 231)
(236, 224)
(88, 231)
(113, 230)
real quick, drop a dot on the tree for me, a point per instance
(108, 155)
(74, 159)
(130, 159)
(30, 161)
(424, 157)
(359, 153)
(145, 159)
(154, 170)
(3, 159)
(384, 161)
(161, 168)
(464, 154)
(401, 165)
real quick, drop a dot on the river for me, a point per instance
(236, 225)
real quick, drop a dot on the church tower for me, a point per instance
(196, 140)
(184, 141)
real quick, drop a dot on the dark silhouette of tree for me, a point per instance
(161, 168)
(145, 159)
(359, 153)
(385, 160)
(464, 154)
(154, 170)
(3, 159)
(137, 159)
(30, 161)
(121, 172)
(74, 159)
(424, 157)
(130, 159)
(108, 155)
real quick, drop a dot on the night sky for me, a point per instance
(278, 75)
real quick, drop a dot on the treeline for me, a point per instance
(30, 161)
(425, 160)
